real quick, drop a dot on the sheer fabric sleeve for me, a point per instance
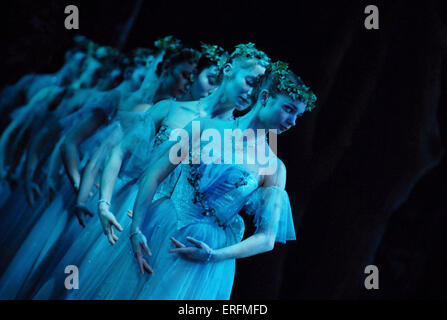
(271, 211)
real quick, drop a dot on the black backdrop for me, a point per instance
(367, 175)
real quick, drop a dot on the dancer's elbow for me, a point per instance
(267, 242)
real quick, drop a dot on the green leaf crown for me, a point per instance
(249, 51)
(296, 91)
(168, 43)
(215, 53)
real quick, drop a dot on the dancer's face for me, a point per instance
(177, 78)
(280, 112)
(113, 79)
(78, 59)
(239, 81)
(138, 75)
(74, 62)
(91, 74)
(205, 83)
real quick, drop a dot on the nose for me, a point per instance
(250, 91)
(292, 121)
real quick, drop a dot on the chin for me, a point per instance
(241, 108)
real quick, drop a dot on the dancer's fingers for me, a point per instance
(110, 237)
(104, 226)
(88, 212)
(145, 248)
(147, 267)
(180, 250)
(36, 189)
(113, 234)
(80, 219)
(116, 224)
(140, 263)
(177, 243)
(130, 213)
(196, 242)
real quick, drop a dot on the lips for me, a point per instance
(244, 101)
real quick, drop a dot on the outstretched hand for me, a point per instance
(108, 221)
(139, 244)
(81, 212)
(32, 191)
(199, 252)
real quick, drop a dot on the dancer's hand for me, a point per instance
(81, 211)
(75, 179)
(200, 252)
(139, 244)
(52, 189)
(108, 221)
(32, 191)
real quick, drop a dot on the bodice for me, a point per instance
(213, 194)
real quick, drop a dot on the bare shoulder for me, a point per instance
(185, 105)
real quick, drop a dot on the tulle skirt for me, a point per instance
(80, 249)
(16, 220)
(44, 233)
(113, 273)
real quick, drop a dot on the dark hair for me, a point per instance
(173, 58)
(204, 63)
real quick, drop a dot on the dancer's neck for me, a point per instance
(217, 105)
(252, 120)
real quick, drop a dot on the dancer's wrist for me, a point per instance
(214, 256)
(211, 256)
(134, 233)
(103, 205)
(134, 228)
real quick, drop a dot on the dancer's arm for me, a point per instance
(152, 178)
(14, 95)
(55, 163)
(76, 135)
(33, 156)
(261, 241)
(6, 143)
(86, 183)
(90, 172)
(111, 170)
(159, 112)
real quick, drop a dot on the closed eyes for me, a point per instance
(288, 108)
(250, 81)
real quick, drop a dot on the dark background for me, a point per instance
(367, 172)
